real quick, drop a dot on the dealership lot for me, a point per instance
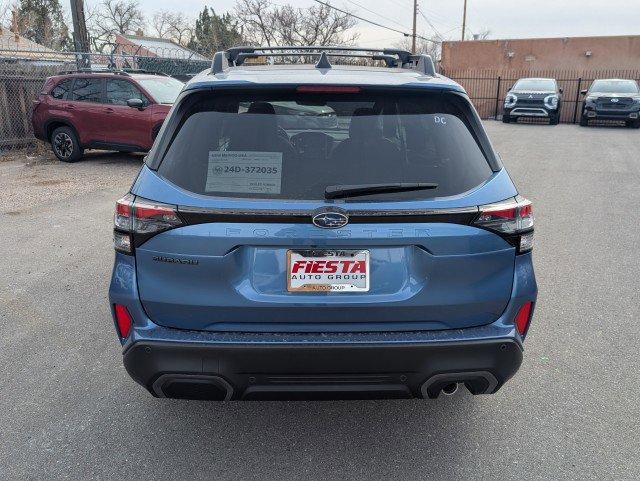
(69, 410)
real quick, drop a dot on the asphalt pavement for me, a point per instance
(69, 410)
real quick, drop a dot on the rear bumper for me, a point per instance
(219, 365)
(38, 128)
(304, 367)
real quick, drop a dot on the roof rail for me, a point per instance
(235, 56)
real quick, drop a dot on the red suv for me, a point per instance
(112, 110)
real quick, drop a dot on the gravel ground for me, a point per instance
(69, 410)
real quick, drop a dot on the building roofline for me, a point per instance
(155, 39)
(518, 39)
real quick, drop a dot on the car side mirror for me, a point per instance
(561, 90)
(583, 92)
(136, 104)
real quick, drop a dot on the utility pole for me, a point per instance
(415, 18)
(80, 36)
(464, 19)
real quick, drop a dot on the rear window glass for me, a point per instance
(87, 90)
(294, 146)
(60, 90)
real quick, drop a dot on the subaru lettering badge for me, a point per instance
(614, 100)
(530, 96)
(330, 220)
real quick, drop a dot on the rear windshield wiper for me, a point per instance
(341, 191)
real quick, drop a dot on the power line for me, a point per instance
(379, 40)
(453, 29)
(429, 22)
(375, 13)
(370, 21)
(441, 19)
(399, 4)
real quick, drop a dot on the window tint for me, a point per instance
(292, 146)
(119, 91)
(87, 90)
(60, 90)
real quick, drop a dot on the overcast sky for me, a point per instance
(504, 18)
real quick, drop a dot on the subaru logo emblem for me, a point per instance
(615, 100)
(330, 220)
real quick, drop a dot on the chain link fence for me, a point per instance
(23, 73)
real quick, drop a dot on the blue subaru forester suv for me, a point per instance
(303, 229)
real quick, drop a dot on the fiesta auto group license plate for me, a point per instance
(328, 271)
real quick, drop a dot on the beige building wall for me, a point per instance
(575, 53)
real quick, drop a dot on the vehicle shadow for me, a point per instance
(112, 158)
(330, 439)
(46, 157)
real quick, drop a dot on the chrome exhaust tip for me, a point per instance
(477, 382)
(450, 389)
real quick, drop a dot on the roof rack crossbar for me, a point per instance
(233, 52)
(388, 59)
(236, 56)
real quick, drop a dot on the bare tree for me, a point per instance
(266, 24)
(111, 17)
(429, 45)
(484, 34)
(6, 9)
(160, 24)
(173, 26)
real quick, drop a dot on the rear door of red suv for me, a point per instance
(86, 110)
(50, 105)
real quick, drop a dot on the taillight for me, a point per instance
(512, 219)
(124, 213)
(137, 218)
(123, 320)
(153, 217)
(523, 318)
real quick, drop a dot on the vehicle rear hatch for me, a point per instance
(252, 198)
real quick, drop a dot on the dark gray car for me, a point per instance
(612, 99)
(533, 97)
